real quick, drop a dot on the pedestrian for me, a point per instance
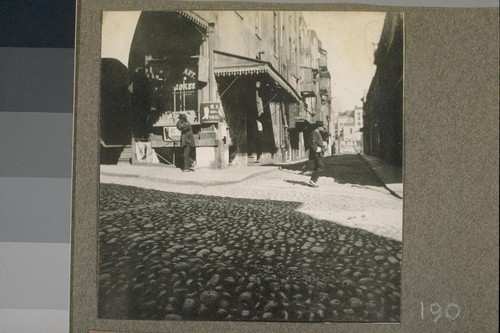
(187, 143)
(325, 135)
(316, 151)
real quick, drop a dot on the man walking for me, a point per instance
(316, 147)
(187, 143)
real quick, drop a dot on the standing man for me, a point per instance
(325, 135)
(187, 143)
(316, 147)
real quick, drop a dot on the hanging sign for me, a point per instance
(210, 112)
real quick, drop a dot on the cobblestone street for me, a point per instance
(268, 248)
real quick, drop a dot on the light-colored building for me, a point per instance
(349, 127)
(250, 82)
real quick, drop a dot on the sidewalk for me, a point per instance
(390, 175)
(202, 176)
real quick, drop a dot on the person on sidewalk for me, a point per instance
(187, 143)
(316, 150)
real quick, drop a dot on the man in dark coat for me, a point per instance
(187, 143)
(316, 150)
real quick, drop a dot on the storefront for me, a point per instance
(242, 110)
(257, 104)
(169, 72)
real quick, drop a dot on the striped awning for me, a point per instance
(230, 65)
(228, 71)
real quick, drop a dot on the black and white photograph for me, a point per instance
(251, 166)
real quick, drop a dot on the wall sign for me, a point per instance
(210, 112)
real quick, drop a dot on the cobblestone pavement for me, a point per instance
(349, 194)
(220, 253)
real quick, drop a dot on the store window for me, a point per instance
(171, 89)
(184, 90)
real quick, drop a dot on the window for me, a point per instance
(350, 130)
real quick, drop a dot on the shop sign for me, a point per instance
(171, 134)
(210, 112)
(184, 88)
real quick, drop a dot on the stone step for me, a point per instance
(126, 155)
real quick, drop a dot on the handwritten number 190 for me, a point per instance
(451, 312)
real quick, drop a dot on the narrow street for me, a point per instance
(268, 248)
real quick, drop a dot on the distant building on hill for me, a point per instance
(349, 129)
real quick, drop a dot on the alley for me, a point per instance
(268, 248)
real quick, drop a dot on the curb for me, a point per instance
(288, 163)
(189, 182)
(379, 178)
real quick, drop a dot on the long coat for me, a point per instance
(315, 141)
(187, 137)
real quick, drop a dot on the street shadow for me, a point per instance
(345, 169)
(295, 182)
(156, 248)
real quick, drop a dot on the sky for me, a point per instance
(350, 39)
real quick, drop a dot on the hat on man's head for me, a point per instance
(319, 123)
(182, 116)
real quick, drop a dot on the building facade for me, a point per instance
(383, 105)
(349, 127)
(250, 83)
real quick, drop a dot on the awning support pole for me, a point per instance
(236, 78)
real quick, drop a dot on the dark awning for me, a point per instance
(230, 65)
(302, 122)
(189, 14)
